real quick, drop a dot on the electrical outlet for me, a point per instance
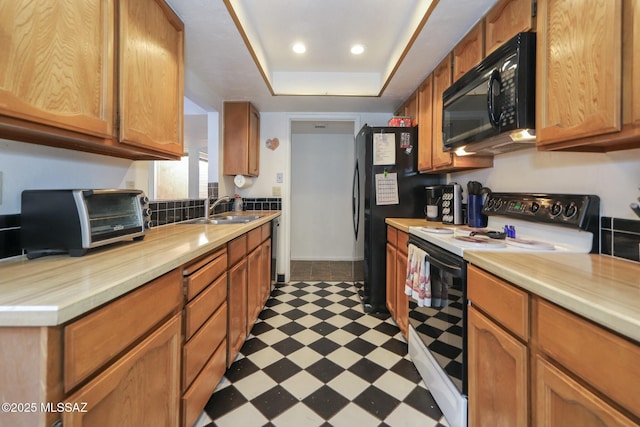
(279, 177)
(276, 191)
(130, 184)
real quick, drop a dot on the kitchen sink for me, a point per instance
(225, 219)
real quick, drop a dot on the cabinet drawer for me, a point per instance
(92, 341)
(236, 250)
(392, 235)
(200, 278)
(266, 231)
(403, 242)
(254, 237)
(199, 310)
(199, 348)
(197, 396)
(500, 300)
(599, 357)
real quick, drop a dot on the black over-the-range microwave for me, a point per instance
(491, 109)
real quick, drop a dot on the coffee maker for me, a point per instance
(433, 208)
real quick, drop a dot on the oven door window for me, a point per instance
(440, 327)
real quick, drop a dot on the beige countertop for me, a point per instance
(404, 223)
(601, 288)
(51, 290)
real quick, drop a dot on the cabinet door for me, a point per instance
(151, 86)
(146, 378)
(441, 81)
(254, 142)
(237, 307)
(425, 115)
(469, 52)
(241, 140)
(578, 62)
(506, 19)
(561, 401)
(498, 375)
(391, 280)
(53, 74)
(266, 273)
(631, 65)
(254, 286)
(402, 300)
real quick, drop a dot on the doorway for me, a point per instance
(322, 238)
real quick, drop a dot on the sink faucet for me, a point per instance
(216, 203)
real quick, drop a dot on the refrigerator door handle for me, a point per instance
(355, 200)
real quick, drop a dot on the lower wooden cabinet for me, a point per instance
(391, 279)
(396, 274)
(498, 374)
(141, 389)
(562, 401)
(531, 362)
(237, 301)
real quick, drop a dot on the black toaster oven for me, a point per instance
(73, 221)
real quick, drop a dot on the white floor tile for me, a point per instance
(352, 415)
(302, 385)
(299, 415)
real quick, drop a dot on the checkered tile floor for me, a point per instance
(315, 359)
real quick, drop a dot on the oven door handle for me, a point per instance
(452, 269)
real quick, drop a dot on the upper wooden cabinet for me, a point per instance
(409, 108)
(469, 52)
(241, 139)
(425, 117)
(52, 74)
(151, 85)
(588, 74)
(506, 19)
(59, 85)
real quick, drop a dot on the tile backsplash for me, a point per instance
(163, 212)
(620, 238)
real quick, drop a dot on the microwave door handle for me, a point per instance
(493, 80)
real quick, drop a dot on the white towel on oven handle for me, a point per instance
(418, 283)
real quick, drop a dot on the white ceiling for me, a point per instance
(220, 66)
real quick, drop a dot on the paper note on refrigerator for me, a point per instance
(387, 189)
(384, 148)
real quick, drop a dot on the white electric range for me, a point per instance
(437, 335)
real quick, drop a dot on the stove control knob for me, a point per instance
(556, 209)
(498, 204)
(535, 207)
(570, 210)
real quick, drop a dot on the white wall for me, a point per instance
(321, 179)
(29, 166)
(614, 176)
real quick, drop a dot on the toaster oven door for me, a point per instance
(110, 215)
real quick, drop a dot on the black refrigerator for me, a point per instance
(386, 184)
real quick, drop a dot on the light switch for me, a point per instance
(279, 177)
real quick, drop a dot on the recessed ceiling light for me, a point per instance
(357, 49)
(299, 48)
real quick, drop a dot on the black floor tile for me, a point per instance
(325, 370)
(274, 402)
(376, 402)
(326, 402)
